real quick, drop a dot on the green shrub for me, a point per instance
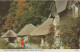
(50, 39)
(35, 39)
(5, 45)
(70, 29)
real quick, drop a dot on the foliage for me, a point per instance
(36, 40)
(21, 6)
(50, 39)
(10, 17)
(70, 28)
(39, 10)
(9, 23)
(4, 7)
(43, 19)
(5, 45)
(23, 12)
(20, 18)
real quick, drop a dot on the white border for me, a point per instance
(40, 50)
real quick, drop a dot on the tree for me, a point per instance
(25, 12)
(38, 10)
(21, 6)
(70, 28)
(4, 7)
(9, 23)
(20, 20)
(10, 17)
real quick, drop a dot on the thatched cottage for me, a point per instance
(43, 30)
(25, 32)
(11, 35)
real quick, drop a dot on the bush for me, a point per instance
(70, 29)
(50, 39)
(4, 44)
(35, 39)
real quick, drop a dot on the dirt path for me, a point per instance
(32, 46)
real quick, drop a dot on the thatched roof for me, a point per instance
(27, 29)
(43, 29)
(60, 5)
(9, 33)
